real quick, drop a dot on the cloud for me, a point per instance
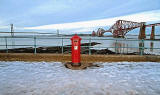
(81, 30)
(4, 27)
(87, 25)
(48, 7)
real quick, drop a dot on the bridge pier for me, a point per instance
(142, 34)
(93, 33)
(100, 32)
(152, 37)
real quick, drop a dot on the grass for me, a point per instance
(84, 58)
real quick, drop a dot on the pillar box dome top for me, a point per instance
(76, 37)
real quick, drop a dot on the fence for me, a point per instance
(93, 45)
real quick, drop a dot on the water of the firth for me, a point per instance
(131, 43)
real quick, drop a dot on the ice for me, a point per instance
(52, 78)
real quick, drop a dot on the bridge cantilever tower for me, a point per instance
(152, 37)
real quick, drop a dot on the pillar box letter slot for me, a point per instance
(76, 43)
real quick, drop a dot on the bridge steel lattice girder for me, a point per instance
(122, 27)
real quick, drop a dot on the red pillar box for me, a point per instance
(76, 48)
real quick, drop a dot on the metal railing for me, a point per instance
(118, 49)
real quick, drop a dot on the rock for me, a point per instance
(58, 49)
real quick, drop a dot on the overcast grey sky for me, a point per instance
(27, 14)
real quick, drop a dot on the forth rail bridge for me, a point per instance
(122, 27)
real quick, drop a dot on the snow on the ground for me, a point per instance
(52, 78)
(152, 52)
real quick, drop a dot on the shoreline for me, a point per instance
(86, 48)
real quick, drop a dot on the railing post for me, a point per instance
(13, 42)
(62, 45)
(120, 48)
(89, 46)
(142, 47)
(35, 50)
(123, 47)
(127, 48)
(116, 46)
(6, 45)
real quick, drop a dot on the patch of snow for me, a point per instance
(155, 52)
(52, 78)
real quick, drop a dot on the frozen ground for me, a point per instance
(52, 78)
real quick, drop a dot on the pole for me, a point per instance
(12, 35)
(142, 47)
(35, 50)
(12, 30)
(116, 46)
(6, 45)
(57, 32)
(123, 47)
(62, 46)
(89, 46)
(127, 48)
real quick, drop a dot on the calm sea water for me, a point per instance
(128, 44)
